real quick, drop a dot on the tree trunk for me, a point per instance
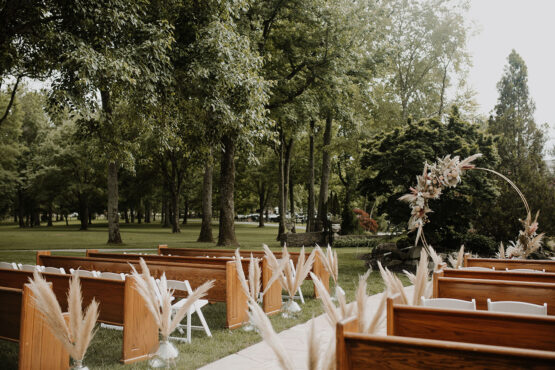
(166, 212)
(126, 216)
(324, 183)
(36, 219)
(281, 205)
(292, 202)
(83, 212)
(20, 209)
(132, 213)
(206, 226)
(90, 216)
(175, 211)
(65, 216)
(227, 188)
(15, 217)
(49, 217)
(114, 236)
(262, 199)
(148, 211)
(186, 211)
(311, 199)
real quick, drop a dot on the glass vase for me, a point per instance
(78, 365)
(165, 356)
(290, 309)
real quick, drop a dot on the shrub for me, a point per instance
(480, 244)
(353, 242)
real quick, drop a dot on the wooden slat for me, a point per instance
(496, 290)
(537, 277)
(10, 313)
(502, 264)
(493, 328)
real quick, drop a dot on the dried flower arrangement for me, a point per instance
(330, 261)
(458, 261)
(158, 299)
(291, 283)
(446, 172)
(76, 336)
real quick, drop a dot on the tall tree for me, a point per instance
(520, 143)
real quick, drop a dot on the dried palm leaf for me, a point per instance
(393, 284)
(501, 253)
(331, 311)
(77, 337)
(330, 261)
(261, 321)
(361, 301)
(458, 262)
(277, 266)
(436, 258)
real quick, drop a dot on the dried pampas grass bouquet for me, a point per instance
(76, 336)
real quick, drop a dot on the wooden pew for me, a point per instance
(119, 304)
(272, 299)
(317, 268)
(21, 321)
(482, 327)
(496, 290)
(533, 277)
(502, 264)
(364, 351)
(226, 287)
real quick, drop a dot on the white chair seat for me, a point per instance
(82, 273)
(31, 268)
(451, 303)
(111, 275)
(8, 265)
(517, 307)
(54, 270)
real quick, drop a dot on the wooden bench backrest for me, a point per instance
(494, 328)
(119, 304)
(226, 287)
(536, 277)
(272, 299)
(364, 351)
(21, 322)
(502, 264)
(496, 290)
(317, 268)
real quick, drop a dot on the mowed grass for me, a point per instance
(19, 245)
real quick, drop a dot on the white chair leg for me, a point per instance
(189, 326)
(301, 295)
(203, 322)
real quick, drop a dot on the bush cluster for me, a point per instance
(354, 242)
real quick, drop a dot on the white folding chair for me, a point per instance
(185, 286)
(31, 268)
(525, 270)
(300, 296)
(8, 265)
(477, 268)
(54, 270)
(450, 303)
(517, 307)
(82, 273)
(111, 275)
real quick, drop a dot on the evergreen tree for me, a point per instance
(520, 143)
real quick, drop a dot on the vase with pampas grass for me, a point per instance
(289, 280)
(251, 287)
(158, 299)
(331, 264)
(76, 335)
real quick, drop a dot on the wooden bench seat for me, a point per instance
(119, 304)
(317, 268)
(272, 299)
(21, 322)
(226, 287)
(496, 290)
(511, 264)
(364, 351)
(483, 327)
(536, 277)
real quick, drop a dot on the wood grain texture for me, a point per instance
(38, 347)
(502, 264)
(237, 308)
(496, 290)
(363, 351)
(119, 304)
(270, 302)
(493, 328)
(322, 274)
(537, 277)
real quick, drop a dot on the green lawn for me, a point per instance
(19, 245)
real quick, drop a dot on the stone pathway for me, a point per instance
(261, 356)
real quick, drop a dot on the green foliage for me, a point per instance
(392, 161)
(356, 242)
(481, 245)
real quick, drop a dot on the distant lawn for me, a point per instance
(105, 350)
